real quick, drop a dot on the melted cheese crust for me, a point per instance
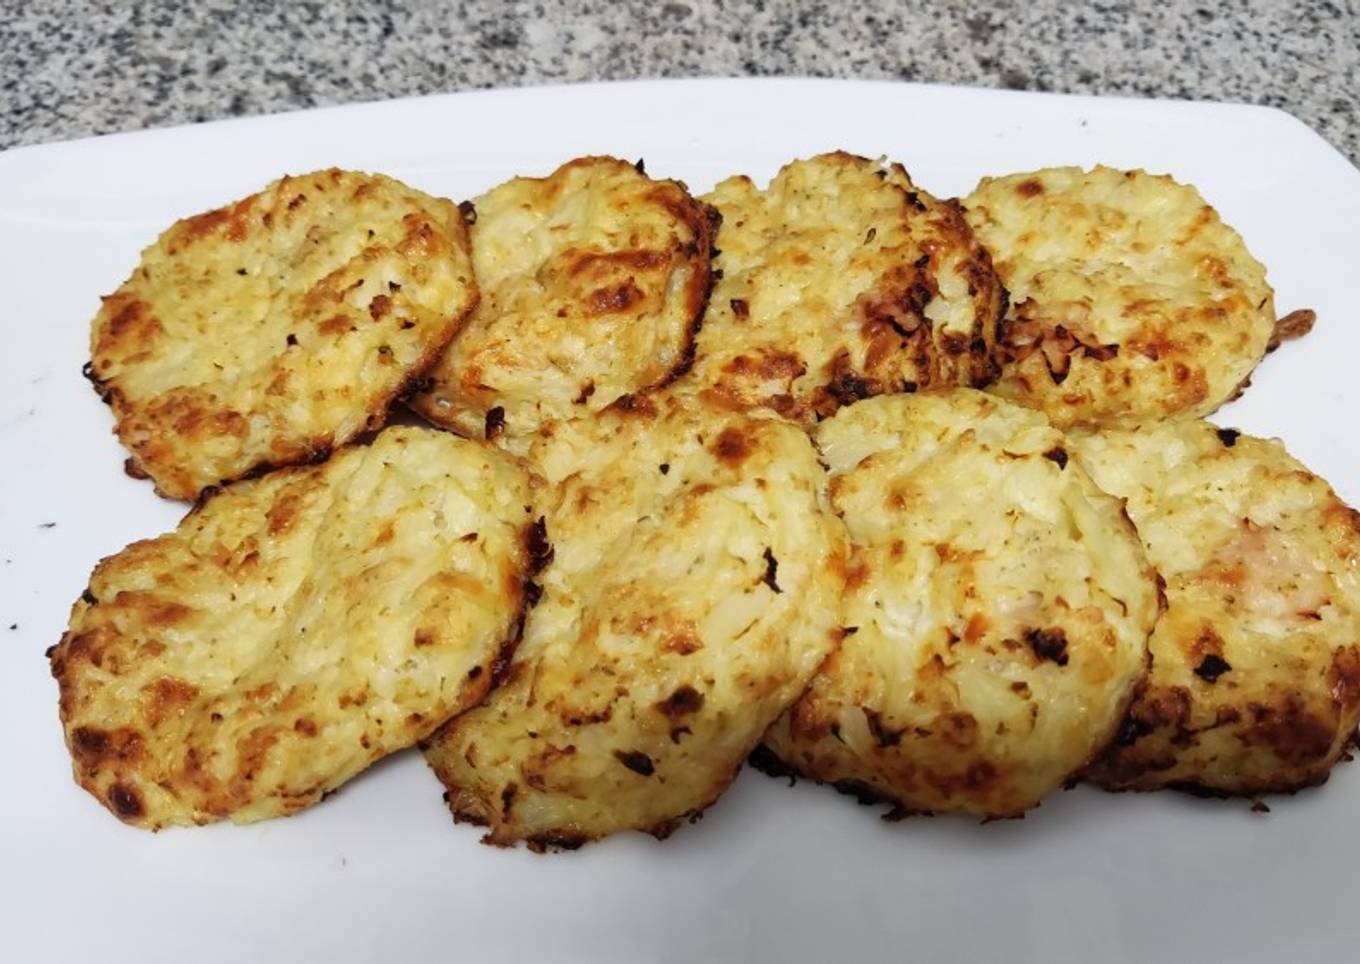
(593, 279)
(997, 616)
(294, 629)
(841, 280)
(694, 589)
(1255, 682)
(1130, 299)
(267, 332)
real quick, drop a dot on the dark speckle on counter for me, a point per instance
(71, 68)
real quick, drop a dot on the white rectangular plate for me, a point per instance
(774, 873)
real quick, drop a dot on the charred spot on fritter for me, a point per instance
(731, 446)
(495, 423)
(637, 761)
(771, 571)
(125, 801)
(883, 735)
(764, 760)
(556, 840)
(634, 404)
(540, 549)
(1048, 644)
(1211, 667)
(1131, 730)
(682, 702)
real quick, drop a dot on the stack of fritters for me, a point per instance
(801, 478)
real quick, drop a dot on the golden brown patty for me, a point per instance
(1255, 682)
(267, 332)
(1130, 300)
(593, 282)
(997, 616)
(294, 629)
(694, 588)
(841, 280)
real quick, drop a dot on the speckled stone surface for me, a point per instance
(70, 68)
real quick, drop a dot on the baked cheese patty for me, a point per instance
(1255, 681)
(1130, 300)
(693, 589)
(294, 629)
(841, 280)
(271, 330)
(593, 282)
(997, 615)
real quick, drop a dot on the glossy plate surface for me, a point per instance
(379, 872)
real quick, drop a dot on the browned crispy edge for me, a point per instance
(561, 840)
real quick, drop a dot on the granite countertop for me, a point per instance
(71, 68)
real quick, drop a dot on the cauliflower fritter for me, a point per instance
(1255, 681)
(693, 590)
(842, 280)
(593, 280)
(997, 614)
(268, 332)
(1130, 300)
(294, 629)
